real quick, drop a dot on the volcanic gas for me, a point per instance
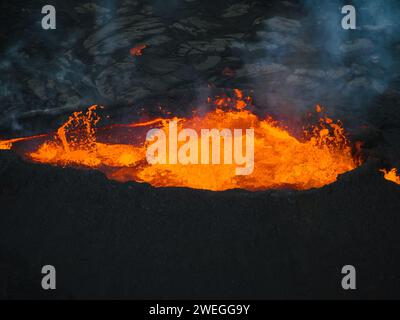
(281, 160)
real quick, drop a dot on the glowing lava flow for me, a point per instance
(137, 50)
(8, 144)
(391, 175)
(280, 159)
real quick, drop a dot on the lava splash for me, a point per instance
(280, 159)
(391, 175)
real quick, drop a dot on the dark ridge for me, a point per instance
(113, 240)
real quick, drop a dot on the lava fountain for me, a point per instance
(280, 159)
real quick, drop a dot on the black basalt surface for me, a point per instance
(113, 240)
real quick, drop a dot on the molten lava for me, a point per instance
(391, 175)
(280, 159)
(137, 50)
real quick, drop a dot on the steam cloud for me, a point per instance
(313, 60)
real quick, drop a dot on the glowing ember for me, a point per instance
(280, 159)
(391, 175)
(5, 145)
(137, 50)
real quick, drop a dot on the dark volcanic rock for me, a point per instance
(291, 55)
(108, 239)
